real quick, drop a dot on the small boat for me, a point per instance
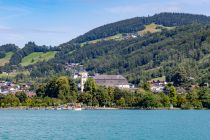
(77, 108)
(58, 108)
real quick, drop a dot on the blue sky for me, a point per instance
(52, 22)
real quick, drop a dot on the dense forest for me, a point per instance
(181, 53)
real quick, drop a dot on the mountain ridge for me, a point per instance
(137, 23)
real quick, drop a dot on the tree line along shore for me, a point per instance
(63, 91)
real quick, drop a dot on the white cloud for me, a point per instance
(42, 36)
(8, 12)
(145, 9)
(194, 2)
(23, 26)
(124, 9)
(2, 27)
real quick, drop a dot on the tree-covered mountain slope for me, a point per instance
(167, 44)
(137, 24)
(150, 56)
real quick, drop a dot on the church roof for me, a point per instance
(110, 80)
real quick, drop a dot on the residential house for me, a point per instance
(158, 86)
(9, 87)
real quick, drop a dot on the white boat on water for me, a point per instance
(77, 108)
(58, 108)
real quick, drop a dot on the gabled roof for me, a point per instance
(109, 77)
(111, 80)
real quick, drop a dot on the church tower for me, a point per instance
(84, 76)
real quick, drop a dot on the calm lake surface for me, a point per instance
(104, 125)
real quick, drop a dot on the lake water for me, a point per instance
(104, 125)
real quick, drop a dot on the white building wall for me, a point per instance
(123, 86)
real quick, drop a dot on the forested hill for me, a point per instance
(29, 48)
(138, 23)
(171, 45)
(7, 48)
(153, 55)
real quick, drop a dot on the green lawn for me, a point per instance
(6, 59)
(114, 37)
(153, 28)
(37, 57)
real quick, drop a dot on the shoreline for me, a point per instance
(92, 108)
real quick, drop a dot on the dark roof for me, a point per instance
(110, 80)
(115, 77)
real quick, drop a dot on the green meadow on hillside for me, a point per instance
(37, 57)
(6, 59)
(153, 28)
(114, 37)
(150, 28)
